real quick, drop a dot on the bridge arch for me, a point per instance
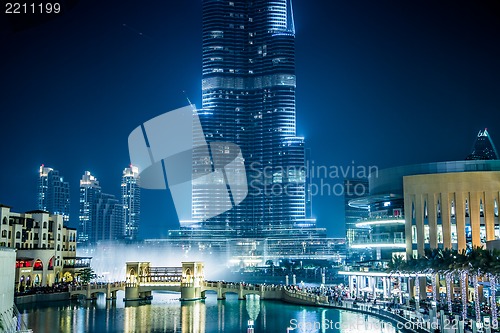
(132, 276)
(189, 276)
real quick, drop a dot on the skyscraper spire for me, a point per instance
(484, 148)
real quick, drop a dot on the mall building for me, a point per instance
(442, 205)
(433, 205)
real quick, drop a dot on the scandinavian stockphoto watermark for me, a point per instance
(344, 326)
(371, 324)
(208, 179)
(171, 152)
(318, 180)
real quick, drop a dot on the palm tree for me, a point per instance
(397, 264)
(434, 263)
(476, 263)
(493, 271)
(449, 257)
(460, 266)
(479, 262)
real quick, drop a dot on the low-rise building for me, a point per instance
(46, 248)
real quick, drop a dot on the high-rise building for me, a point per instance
(101, 214)
(484, 148)
(131, 201)
(89, 191)
(248, 98)
(248, 103)
(53, 193)
(108, 222)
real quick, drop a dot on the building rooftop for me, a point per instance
(484, 148)
(37, 211)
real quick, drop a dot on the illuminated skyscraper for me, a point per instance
(248, 87)
(484, 148)
(53, 193)
(131, 201)
(101, 214)
(248, 102)
(89, 191)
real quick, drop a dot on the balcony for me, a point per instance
(79, 265)
(76, 262)
(396, 243)
(384, 220)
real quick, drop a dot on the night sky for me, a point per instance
(379, 83)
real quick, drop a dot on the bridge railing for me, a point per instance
(244, 286)
(160, 278)
(118, 284)
(98, 285)
(304, 296)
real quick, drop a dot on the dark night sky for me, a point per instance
(381, 83)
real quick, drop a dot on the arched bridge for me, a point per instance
(189, 280)
(242, 289)
(91, 290)
(142, 280)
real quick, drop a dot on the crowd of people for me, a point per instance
(31, 290)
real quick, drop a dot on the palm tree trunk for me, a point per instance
(476, 299)
(494, 311)
(434, 291)
(463, 285)
(417, 294)
(400, 289)
(449, 282)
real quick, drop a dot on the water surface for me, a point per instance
(165, 313)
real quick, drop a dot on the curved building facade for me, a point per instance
(444, 205)
(456, 210)
(384, 229)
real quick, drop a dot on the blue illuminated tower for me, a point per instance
(484, 148)
(131, 201)
(53, 193)
(89, 193)
(101, 214)
(248, 98)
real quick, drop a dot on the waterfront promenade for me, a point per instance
(402, 317)
(142, 279)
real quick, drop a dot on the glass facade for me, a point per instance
(383, 230)
(131, 201)
(484, 148)
(101, 214)
(354, 214)
(248, 103)
(248, 98)
(89, 191)
(53, 193)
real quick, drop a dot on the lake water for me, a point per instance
(165, 313)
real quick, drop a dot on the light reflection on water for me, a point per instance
(166, 314)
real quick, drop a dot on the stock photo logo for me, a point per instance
(205, 179)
